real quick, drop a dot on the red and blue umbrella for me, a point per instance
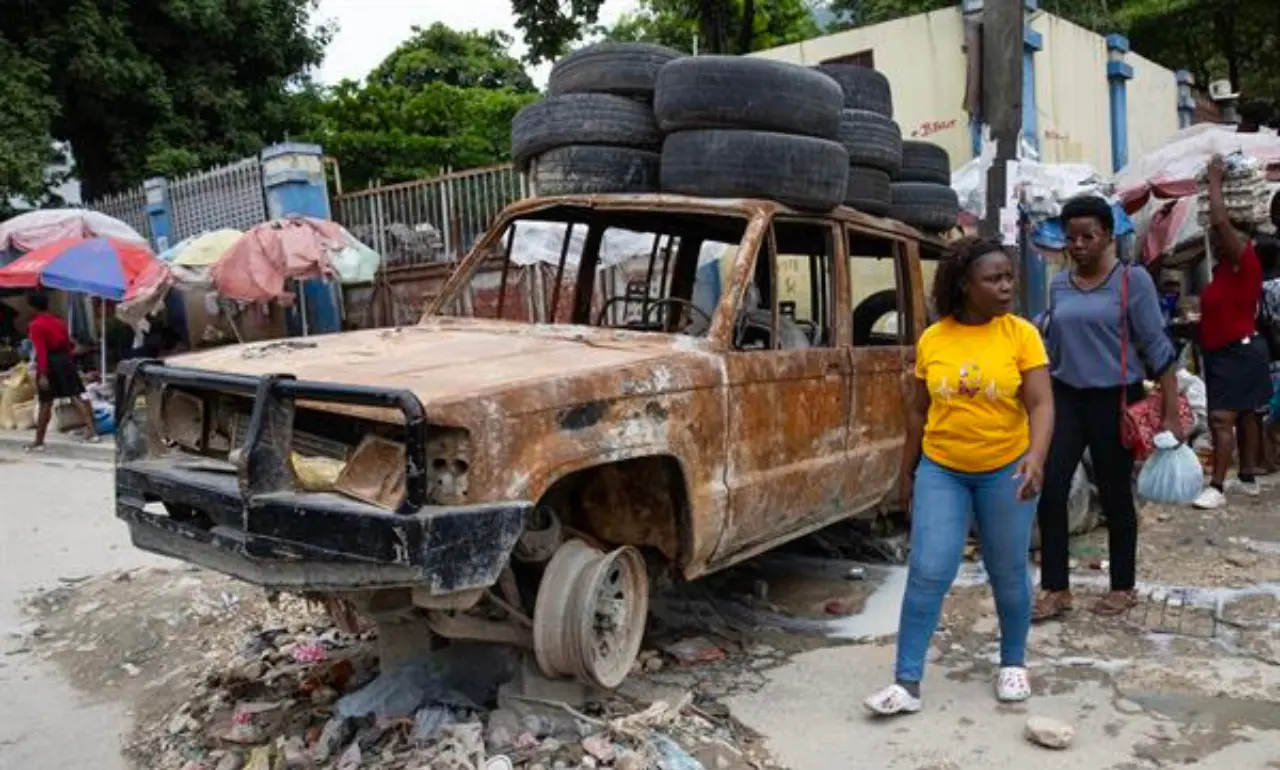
(99, 267)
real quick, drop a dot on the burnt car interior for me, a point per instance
(659, 271)
(629, 269)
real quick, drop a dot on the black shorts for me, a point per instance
(1238, 377)
(64, 380)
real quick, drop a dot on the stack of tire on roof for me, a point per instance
(595, 132)
(633, 117)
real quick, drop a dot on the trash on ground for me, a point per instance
(693, 651)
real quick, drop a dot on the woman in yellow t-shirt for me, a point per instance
(981, 412)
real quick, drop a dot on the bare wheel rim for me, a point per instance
(611, 609)
(553, 613)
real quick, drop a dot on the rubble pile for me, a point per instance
(316, 700)
(222, 682)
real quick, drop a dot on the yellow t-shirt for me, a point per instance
(977, 422)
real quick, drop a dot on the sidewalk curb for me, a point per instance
(12, 443)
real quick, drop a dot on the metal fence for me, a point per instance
(430, 220)
(129, 207)
(229, 196)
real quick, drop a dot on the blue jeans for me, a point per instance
(945, 503)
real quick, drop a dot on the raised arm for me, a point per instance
(1225, 239)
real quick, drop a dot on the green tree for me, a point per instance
(441, 99)
(439, 54)
(165, 86)
(721, 26)
(26, 126)
(675, 23)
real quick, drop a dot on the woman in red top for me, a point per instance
(1237, 376)
(56, 375)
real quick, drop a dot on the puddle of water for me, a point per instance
(879, 616)
(1221, 713)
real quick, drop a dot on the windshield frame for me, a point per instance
(494, 246)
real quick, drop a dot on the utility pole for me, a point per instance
(1002, 51)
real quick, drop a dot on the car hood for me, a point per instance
(444, 360)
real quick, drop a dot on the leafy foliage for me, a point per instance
(721, 26)
(26, 121)
(164, 86)
(675, 23)
(550, 26)
(443, 98)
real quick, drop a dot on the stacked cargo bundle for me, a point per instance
(1245, 191)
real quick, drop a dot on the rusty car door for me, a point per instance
(788, 421)
(879, 265)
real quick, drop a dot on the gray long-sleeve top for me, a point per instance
(1083, 331)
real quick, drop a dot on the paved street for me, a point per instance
(56, 524)
(1192, 677)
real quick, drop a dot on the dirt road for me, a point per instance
(129, 643)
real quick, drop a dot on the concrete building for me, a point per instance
(1087, 98)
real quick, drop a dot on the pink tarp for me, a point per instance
(1159, 189)
(257, 266)
(1170, 171)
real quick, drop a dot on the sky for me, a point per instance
(368, 30)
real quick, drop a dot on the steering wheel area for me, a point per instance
(608, 303)
(680, 301)
(648, 305)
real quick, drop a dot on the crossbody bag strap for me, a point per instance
(1124, 337)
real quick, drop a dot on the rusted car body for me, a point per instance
(697, 436)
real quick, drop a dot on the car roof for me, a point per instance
(745, 207)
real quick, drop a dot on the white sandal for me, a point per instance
(1013, 685)
(892, 700)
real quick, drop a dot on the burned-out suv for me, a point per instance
(606, 386)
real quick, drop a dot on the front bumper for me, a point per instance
(246, 520)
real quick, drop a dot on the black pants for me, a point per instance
(1088, 418)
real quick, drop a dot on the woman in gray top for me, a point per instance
(1082, 336)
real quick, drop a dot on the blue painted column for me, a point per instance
(293, 179)
(159, 212)
(1119, 73)
(1032, 43)
(160, 216)
(1186, 99)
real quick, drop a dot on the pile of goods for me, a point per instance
(637, 118)
(1245, 191)
(18, 399)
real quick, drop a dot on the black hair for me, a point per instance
(1268, 249)
(38, 300)
(1090, 207)
(949, 280)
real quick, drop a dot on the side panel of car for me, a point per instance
(789, 399)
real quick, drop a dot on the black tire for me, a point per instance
(625, 69)
(868, 191)
(870, 310)
(584, 169)
(924, 205)
(732, 92)
(572, 119)
(798, 171)
(871, 139)
(864, 88)
(924, 162)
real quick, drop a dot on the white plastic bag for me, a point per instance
(1172, 474)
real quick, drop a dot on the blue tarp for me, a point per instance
(1050, 235)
